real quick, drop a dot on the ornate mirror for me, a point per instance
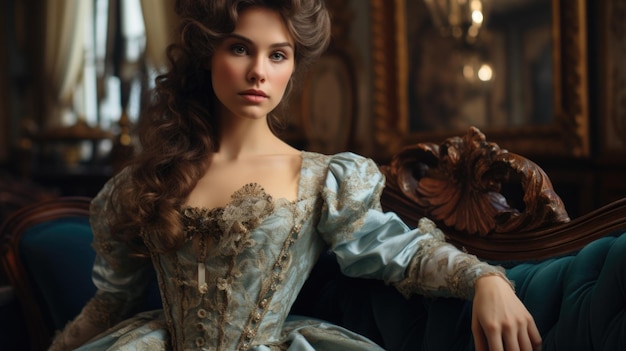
(516, 69)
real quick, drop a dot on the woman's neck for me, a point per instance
(248, 138)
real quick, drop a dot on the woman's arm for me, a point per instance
(370, 243)
(121, 278)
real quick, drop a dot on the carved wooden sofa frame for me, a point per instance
(457, 183)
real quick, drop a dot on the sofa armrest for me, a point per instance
(464, 183)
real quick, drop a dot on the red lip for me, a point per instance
(254, 92)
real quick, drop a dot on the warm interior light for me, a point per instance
(485, 73)
(461, 19)
(477, 16)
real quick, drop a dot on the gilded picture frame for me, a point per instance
(567, 134)
(613, 79)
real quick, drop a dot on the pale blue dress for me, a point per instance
(231, 286)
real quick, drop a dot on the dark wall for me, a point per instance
(584, 184)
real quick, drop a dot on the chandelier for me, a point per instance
(461, 19)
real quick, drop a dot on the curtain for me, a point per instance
(64, 56)
(160, 22)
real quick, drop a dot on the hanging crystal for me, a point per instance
(461, 19)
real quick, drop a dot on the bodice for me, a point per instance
(232, 284)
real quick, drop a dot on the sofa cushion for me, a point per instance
(578, 302)
(59, 257)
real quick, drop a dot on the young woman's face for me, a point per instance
(251, 68)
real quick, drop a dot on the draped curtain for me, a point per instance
(160, 23)
(64, 55)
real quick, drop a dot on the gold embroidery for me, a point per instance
(281, 263)
(454, 273)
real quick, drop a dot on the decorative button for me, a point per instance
(200, 327)
(199, 342)
(248, 334)
(201, 313)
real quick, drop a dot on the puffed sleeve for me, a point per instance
(373, 244)
(121, 278)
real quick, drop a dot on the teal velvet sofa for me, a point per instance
(46, 251)
(571, 274)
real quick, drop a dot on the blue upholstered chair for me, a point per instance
(46, 253)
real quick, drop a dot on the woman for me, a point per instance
(233, 219)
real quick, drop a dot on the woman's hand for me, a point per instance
(499, 319)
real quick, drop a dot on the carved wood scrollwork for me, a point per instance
(459, 183)
(464, 185)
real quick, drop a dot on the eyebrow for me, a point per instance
(247, 40)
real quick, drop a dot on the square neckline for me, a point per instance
(304, 157)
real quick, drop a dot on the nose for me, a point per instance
(257, 72)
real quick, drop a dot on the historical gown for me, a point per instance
(231, 286)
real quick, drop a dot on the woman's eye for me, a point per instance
(277, 56)
(238, 49)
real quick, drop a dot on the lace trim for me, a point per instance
(412, 283)
(99, 314)
(200, 221)
(453, 273)
(228, 228)
(248, 207)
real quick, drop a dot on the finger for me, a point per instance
(511, 338)
(480, 342)
(495, 344)
(494, 339)
(529, 338)
(524, 340)
(535, 336)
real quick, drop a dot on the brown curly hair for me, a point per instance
(178, 130)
